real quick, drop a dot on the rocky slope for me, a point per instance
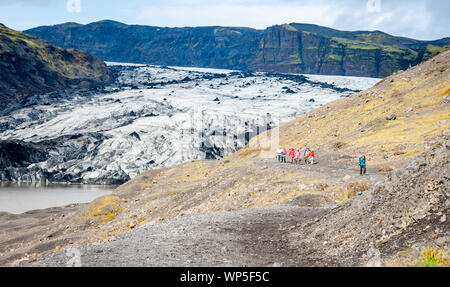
(391, 222)
(293, 48)
(340, 219)
(29, 65)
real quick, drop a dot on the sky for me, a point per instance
(418, 19)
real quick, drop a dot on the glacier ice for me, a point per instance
(156, 117)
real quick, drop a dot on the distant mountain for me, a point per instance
(296, 48)
(29, 65)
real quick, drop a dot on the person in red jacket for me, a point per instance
(306, 154)
(292, 155)
(311, 156)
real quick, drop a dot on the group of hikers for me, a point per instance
(295, 155)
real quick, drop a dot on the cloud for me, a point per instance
(373, 6)
(420, 19)
(235, 13)
(400, 18)
(73, 6)
(35, 3)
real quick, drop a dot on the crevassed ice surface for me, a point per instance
(354, 83)
(154, 117)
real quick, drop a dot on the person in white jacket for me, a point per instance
(279, 154)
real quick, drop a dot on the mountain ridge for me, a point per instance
(287, 48)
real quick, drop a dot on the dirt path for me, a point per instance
(324, 169)
(251, 237)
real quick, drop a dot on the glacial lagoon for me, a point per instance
(18, 198)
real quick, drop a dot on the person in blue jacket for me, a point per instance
(362, 165)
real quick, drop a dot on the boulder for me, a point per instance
(391, 117)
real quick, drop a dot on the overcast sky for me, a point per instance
(419, 19)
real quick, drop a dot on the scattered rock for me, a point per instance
(353, 188)
(391, 117)
(289, 91)
(419, 216)
(441, 240)
(446, 134)
(400, 224)
(446, 99)
(374, 257)
(421, 161)
(135, 135)
(338, 145)
(320, 186)
(447, 144)
(382, 169)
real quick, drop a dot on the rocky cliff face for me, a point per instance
(293, 48)
(215, 47)
(311, 49)
(29, 65)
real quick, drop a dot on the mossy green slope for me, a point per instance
(300, 48)
(30, 65)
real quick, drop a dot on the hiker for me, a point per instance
(362, 165)
(283, 158)
(306, 155)
(311, 156)
(291, 155)
(297, 156)
(279, 154)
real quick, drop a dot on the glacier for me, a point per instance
(153, 117)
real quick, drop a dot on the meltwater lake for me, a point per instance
(18, 198)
